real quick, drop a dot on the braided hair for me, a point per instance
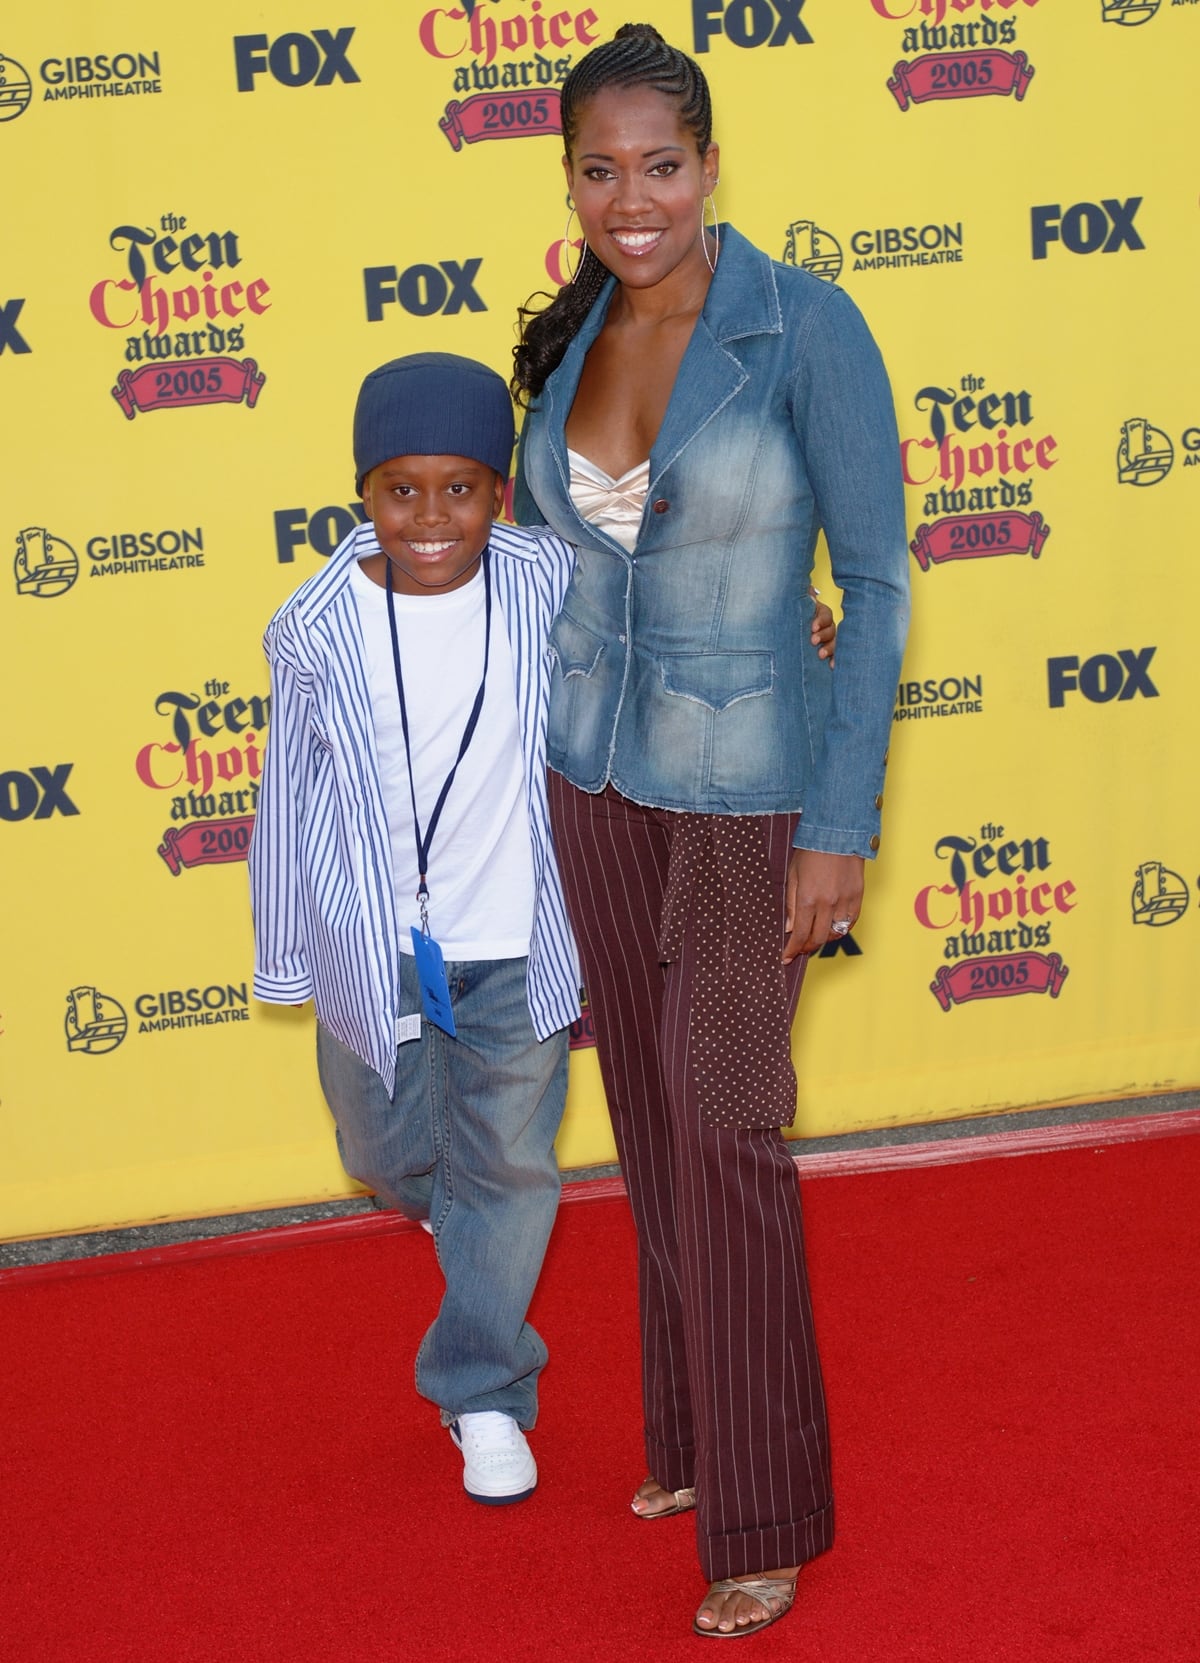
(636, 56)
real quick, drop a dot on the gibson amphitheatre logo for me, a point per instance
(1145, 453)
(813, 249)
(95, 1022)
(46, 566)
(16, 89)
(875, 248)
(77, 76)
(1129, 13)
(1159, 897)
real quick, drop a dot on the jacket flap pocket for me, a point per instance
(577, 649)
(718, 679)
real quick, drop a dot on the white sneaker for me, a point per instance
(498, 1465)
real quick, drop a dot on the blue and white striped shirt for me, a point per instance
(321, 882)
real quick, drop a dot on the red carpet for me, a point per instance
(224, 1461)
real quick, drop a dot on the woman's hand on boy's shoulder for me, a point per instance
(824, 630)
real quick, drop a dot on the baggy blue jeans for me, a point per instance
(467, 1141)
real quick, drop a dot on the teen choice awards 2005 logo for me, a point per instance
(211, 765)
(961, 50)
(996, 912)
(183, 304)
(583, 1029)
(509, 57)
(978, 460)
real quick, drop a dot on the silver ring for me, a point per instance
(841, 926)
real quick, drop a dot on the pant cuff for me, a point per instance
(745, 1552)
(525, 1417)
(670, 1465)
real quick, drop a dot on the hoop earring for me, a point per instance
(567, 245)
(711, 263)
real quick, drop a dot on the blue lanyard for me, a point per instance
(424, 842)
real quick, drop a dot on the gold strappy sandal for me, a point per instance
(774, 1594)
(682, 1502)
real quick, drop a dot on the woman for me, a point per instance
(696, 413)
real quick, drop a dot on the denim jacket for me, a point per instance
(683, 673)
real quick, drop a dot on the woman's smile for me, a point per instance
(636, 243)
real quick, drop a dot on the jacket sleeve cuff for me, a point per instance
(837, 840)
(281, 990)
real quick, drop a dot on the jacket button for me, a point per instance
(661, 506)
(878, 802)
(874, 843)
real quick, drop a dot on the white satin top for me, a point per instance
(612, 505)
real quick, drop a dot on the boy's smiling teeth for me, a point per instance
(430, 548)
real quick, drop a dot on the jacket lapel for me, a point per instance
(706, 365)
(742, 300)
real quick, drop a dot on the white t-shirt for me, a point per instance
(480, 873)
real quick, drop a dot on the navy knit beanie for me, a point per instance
(432, 404)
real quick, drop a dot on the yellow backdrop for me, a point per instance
(217, 221)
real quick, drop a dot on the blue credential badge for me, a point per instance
(431, 972)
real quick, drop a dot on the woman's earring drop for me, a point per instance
(710, 260)
(568, 245)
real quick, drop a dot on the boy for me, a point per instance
(404, 798)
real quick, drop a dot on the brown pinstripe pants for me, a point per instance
(730, 1375)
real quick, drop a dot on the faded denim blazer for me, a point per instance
(683, 673)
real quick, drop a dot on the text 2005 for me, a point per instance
(525, 112)
(975, 72)
(226, 840)
(987, 977)
(991, 534)
(179, 383)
